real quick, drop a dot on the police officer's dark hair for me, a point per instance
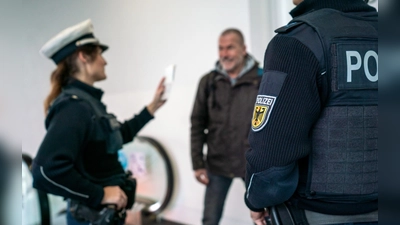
(66, 69)
(234, 31)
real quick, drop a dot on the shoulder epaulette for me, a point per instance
(74, 97)
(288, 27)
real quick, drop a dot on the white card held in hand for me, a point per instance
(169, 79)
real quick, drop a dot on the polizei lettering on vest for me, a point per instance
(358, 63)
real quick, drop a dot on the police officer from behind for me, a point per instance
(78, 158)
(313, 156)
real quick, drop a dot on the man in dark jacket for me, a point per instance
(313, 156)
(221, 119)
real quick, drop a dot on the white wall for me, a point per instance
(265, 17)
(10, 82)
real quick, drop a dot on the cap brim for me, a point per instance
(103, 47)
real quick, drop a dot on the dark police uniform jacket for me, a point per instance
(314, 129)
(75, 160)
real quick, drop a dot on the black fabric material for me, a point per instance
(350, 34)
(309, 38)
(273, 82)
(345, 160)
(70, 150)
(110, 132)
(287, 136)
(306, 35)
(281, 183)
(334, 208)
(308, 6)
(341, 170)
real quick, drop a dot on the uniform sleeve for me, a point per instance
(198, 120)
(290, 96)
(130, 128)
(53, 167)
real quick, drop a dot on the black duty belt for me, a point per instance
(108, 215)
(286, 214)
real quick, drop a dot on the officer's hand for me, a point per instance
(157, 101)
(259, 217)
(114, 195)
(201, 176)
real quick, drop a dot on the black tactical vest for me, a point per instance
(106, 128)
(343, 165)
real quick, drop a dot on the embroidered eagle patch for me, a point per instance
(262, 110)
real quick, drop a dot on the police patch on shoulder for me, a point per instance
(262, 110)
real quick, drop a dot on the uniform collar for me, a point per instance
(94, 92)
(340, 5)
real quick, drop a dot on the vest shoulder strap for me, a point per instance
(77, 93)
(290, 26)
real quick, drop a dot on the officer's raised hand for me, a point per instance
(157, 100)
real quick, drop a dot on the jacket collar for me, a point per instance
(249, 64)
(94, 92)
(340, 5)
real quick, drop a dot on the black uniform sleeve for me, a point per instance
(130, 128)
(199, 125)
(53, 168)
(290, 75)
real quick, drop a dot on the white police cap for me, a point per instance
(67, 41)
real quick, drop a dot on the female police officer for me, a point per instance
(78, 158)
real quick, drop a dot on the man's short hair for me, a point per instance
(234, 31)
